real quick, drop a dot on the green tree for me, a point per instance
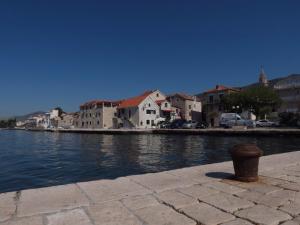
(260, 100)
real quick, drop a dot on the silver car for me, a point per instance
(190, 125)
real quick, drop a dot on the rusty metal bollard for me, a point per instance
(245, 159)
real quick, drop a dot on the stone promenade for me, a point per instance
(197, 195)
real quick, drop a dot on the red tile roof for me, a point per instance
(135, 101)
(220, 88)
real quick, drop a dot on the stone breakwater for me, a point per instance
(196, 195)
(212, 131)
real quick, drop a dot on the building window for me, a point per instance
(221, 96)
(190, 107)
(148, 122)
(157, 95)
(90, 114)
(211, 99)
(141, 123)
(129, 113)
(98, 122)
(152, 123)
(148, 111)
(149, 105)
(82, 124)
(166, 104)
(87, 123)
(90, 122)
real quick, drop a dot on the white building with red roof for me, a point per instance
(143, 111)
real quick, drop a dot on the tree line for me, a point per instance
(10, 123)
(260, 100)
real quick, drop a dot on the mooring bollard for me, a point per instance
(245, 159)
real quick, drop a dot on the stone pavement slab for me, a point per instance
(206, 214)
(7, 205)
(250, 195)
(223, 187)
(162, 215)
(159, 182)
(192, 174)
(52, 199)
(175, 199)
(290, 186)
(263, 215)
(291, 208)
(73, 217)
(35, 220)
(227, 202)
(139, 202)
(108, 190)
(112, 213)
(291, 222)
(238, 222)
(198, 191)
(277, 198)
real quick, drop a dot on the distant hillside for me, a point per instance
(24, 117)
(272, 82)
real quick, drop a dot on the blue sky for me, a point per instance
(63, 52)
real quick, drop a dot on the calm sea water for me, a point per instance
(38, 159)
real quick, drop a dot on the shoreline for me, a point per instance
(209, 131)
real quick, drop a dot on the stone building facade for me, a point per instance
(97, 114)
(190, 107)
(212, 103)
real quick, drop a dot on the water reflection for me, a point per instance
(31, 159)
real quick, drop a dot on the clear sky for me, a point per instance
(65, 52)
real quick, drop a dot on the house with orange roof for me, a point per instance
(97, 114)
(187, 107)
(141, 111)
(212, 103)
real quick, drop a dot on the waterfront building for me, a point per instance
(68, 120)
(141, 111)
(97, 114)
(186, 106)
(289, 91)
(212, 103)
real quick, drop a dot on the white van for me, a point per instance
(233, 119)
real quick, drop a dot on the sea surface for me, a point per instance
(39, 159)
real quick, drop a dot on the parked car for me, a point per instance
(177, 124)
(164, 124)
(228, 120)
(202, 125)
(191, 124)
(266, 123)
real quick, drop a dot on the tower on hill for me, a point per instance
(263, 77)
